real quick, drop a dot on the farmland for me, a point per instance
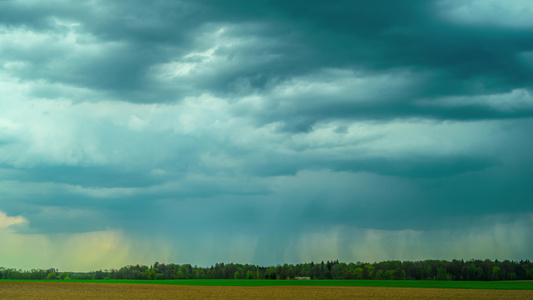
(64, 290)
(480, 285)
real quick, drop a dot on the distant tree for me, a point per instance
(148, 274)
(399, 274)
(419, 270)
(441, 274)
(64, 275)
(496, 273)
(390, 274)
(368, 271)
(290, 273)
(198, 273)
(379, 274)
(270, 273)
(358, 273)
(186, 271)
(474, 272)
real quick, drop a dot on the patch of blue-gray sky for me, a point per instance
(264, 127)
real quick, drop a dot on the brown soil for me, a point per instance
(69, 290)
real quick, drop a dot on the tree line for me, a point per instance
(481, 270)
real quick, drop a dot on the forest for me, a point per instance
(472, 270)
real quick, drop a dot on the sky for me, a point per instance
(264, 132)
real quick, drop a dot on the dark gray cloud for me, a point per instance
(290, 40)
(287, 123)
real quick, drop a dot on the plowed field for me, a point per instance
(72, 290)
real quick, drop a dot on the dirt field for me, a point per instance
(66, 290)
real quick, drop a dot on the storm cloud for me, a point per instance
(272, 131)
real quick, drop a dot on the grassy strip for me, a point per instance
(493, 285)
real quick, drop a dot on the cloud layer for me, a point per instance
(356, 131)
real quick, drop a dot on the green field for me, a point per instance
(494, 285)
